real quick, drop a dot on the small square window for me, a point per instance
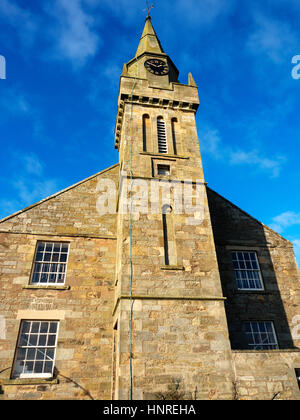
(50, 263)
(36, 349)
(163, 170)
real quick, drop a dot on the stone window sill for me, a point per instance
(52, 287)
(253, 292)
(164, 155)
(30, 381)
(172, 267)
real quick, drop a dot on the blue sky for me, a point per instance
(59, 99)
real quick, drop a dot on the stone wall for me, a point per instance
(266, 375)
(83, 305)
(259, 373)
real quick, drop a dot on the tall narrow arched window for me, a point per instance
(161, 136)
(170, 255)
(174, 124)
(146, 132)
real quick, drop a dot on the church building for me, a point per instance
(142, 283)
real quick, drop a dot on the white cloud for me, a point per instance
(32, 164)
(69, 26)
(256, 160)
(28, 183)
(30, 190)
(271, 37)
(25, 23)
(285, 220)
(202, 12)
(211, 143)
(73, 34)
(15, 102)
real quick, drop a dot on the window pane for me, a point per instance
(44, 278)
(41, 247)
(56, 247)
(55, 257)
(47, 256)
(42, 340)
(51, 340)
(38, 368)
(32, 340)
(248, 265)
(39, 256)
(30, 354)
(35, 327)
(44, 327)
(53, 327)
(242, 265)
(49, 247)
(54, 268)
(239, 284)
(21, 354)
(251, 284)
(18, 369)
(262, 327)
(247, 327)
(63, 257)
(50, 354)
(28, 367)
(48, 367)
(40, 354)
(25, 327)
(46, 268)
(64, 247)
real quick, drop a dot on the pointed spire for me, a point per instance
(192, 80)
(149, 41)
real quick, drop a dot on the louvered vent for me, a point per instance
(162, 137)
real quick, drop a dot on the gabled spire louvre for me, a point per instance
(149, 41)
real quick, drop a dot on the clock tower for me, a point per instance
(169, 318)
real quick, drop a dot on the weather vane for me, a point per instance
(148, 9)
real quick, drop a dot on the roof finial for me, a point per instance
(148, 9)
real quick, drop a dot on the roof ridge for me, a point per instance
(249, 215)
(57, 193)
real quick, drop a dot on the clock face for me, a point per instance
(157, 67)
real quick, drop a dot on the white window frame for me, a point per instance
(246, 271)
(21, 346)
(50, 263)
(262, 335)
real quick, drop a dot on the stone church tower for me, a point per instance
(140, 282)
